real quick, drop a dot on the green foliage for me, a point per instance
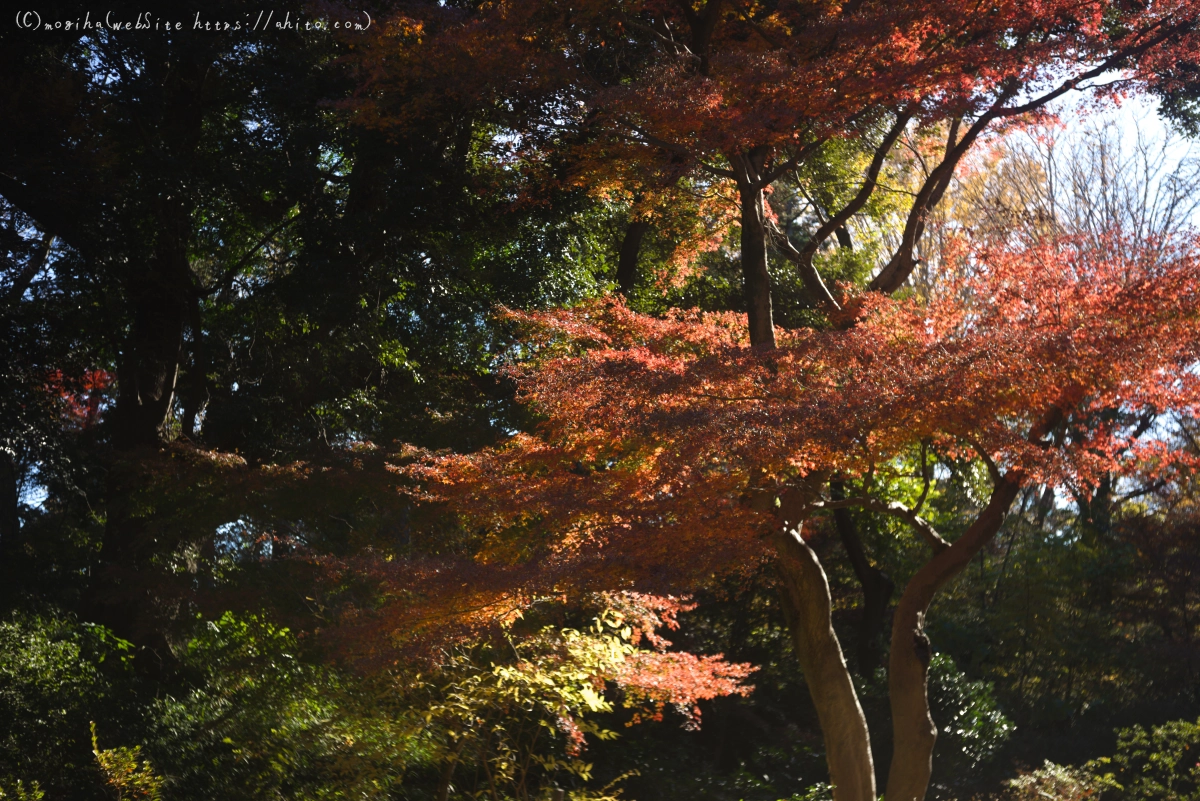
(1053, 782)
(971, 726)
(335, 285)
(17, 791)
(821, 791)
(1159, 764)
(55, 676)
(258, 721)
(516, 727)
(132, 777)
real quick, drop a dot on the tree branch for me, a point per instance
(49, 215)
(805, 151)
(922, 526)
(233, 270)
(803, 258)
(901, 265)
(30, 270)
(925, 474)
(808, 272)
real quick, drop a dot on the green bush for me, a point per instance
(258, 721)
(1162, 764)
(971, 727)
(1057, 783)
(56, 676)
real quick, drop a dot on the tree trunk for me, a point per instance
(10, 507)
(149, 367)
(194, 388)
(877, 588)
(913, 729)
(756, 281)
(122, 595)
(627, 260)
(447, 777)
(804, 591)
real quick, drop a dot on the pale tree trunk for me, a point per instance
(912, 726)
(804, 591)
(804, 588)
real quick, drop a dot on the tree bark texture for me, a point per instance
(912, 726)
(159, 295)
(804, 591)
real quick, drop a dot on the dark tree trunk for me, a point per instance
(194, 389)
(843, 237)
(756, 280)
(877, 588)
(124, 592)
(158, 297)
(627, 260)
(10, 508)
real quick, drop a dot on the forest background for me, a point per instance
(291, 319)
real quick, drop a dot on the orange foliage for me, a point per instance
(715, 77)
(81, 397)
(656, 102)
(656, 430)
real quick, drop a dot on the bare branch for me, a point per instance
(803, 258)
(920, 524)
(241, 263)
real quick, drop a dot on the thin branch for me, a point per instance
(50, 216)
(920, 524)
(925, 474)
(796, 160)
(867, 188)
(241, 263)
(717, 170)
(646, 138)
(803, 258)
(901, 265)
(667, 40)
(30, 270)
(808, 273)
(993, 470)
(1153, 486)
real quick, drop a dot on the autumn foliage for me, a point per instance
(656, 430)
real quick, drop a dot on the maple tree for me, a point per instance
(234, 270)
(747, 92)
(669, 446)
